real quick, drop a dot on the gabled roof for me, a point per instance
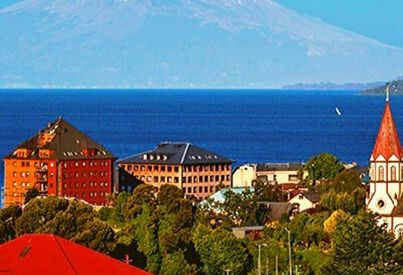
(313, 197)
(65, 140)
(277, 209)
(176, 153)
(50, 254)
(278, 167)
(387, 142)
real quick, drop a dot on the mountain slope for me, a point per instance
(174, 43)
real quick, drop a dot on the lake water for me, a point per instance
(247, 126)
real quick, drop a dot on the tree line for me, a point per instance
(165, 233)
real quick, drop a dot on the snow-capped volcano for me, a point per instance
(181, 43)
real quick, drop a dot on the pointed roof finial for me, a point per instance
(387, 92)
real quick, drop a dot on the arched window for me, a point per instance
(380, 173)
(400, 233)
(393, 173)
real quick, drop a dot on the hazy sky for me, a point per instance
(378, 19)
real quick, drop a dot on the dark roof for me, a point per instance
(278, 166)
(50, 254)
(176, 153)
(277, 209)
(360, 169)
(312, 196)
(65, 140)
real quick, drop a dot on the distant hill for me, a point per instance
(181, 44)
(396, 88)
(334, 86)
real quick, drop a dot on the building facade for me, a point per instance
(244, 175)
(60, 161)
(196, 171)
(279, 173)
(386, 173)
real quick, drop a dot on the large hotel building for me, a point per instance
(61, 161)
(194, 170)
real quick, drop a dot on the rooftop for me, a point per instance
(50, 254)
(66, 142)
(387, 142)
(278, 167)
(177, 153)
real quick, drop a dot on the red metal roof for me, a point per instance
(387, 143)
(50, 254)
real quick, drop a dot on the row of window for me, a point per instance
(84, 163)
(199, 189)
(84, 184)
(84, 174)
(211, 178)
(194, 179)
(206, 168)
(83, 195)
(169, 169)
(23, 184)
(151, 168)
(381, 173)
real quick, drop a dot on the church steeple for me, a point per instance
(387, 143)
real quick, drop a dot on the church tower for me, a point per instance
(386, 171)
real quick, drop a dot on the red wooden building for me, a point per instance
(62, 161)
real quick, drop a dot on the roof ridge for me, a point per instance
(185, 152)
(64, 254)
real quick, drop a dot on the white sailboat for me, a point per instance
(338, 111)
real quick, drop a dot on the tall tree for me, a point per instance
(361, 246)
(219, 249)
(323, 167)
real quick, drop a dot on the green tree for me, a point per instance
(361, 246)
(323, 167)
(346, 181)
(219, 249)
(143, 194)
(38, 212)
(31, 194)
(8, 217)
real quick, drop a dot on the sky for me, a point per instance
(378, 19)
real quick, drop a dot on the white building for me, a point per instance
(305, 200)
(386, 172)
(279, 173)
(243, 176)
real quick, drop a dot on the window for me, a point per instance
(189, 179)
(380, 173)
(163, 179)
(162, 168)
(155, 178)
(189, 189)
(400, 233)
(200, 189)
(176, 169)
(205, 189)
(176, 179)
(169, 168)
(393, 173)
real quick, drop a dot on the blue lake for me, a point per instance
(246, 126)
